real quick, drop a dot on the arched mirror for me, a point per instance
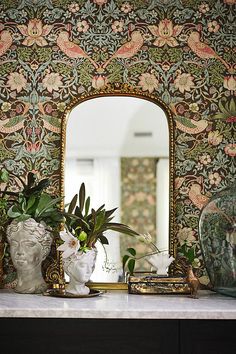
(119, 147)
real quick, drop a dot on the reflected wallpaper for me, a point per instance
(54, 51)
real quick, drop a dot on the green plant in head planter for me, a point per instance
(34, 202)
(85, 227)
(34, 216)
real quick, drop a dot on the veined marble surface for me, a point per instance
(119, 304)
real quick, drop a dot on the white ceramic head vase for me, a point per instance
(79, 267)
(30, 243)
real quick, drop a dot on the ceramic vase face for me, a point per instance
(217, 229)
(29, 244)
(79, 267)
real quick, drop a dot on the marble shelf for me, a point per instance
(119, 304)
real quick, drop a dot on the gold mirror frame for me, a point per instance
(123, 90)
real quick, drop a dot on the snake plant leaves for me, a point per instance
(110, 212)
(121, 228)
(82, 197)
(73, 204)
(87, 205)
(94, 222)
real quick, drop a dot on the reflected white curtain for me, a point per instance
(102, 181)
(162, 203)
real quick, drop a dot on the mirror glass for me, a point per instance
(119, 147)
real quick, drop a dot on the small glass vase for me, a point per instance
(217, 230)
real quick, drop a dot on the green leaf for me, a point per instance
(191, 255)
(131, 265)
(103, 239)
(46, 202)
(99, 220)
(23, 217)
(87, 205)
(124, 260)
(131, 251)
(78, 212)
(73, 204)
(110, 212)
(100, 208)
(4, 176)
(31, 179)
(30, 202)
(13, 214)
(121, 228)
(82, 197)
(38, 188)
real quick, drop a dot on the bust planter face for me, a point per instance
(80, 267)
(30, 243)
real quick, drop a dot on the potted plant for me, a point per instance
(34, 215)
(83, 229)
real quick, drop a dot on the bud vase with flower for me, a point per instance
(83, 229)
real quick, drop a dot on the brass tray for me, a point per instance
(63, 293)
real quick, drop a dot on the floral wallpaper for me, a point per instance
(138, 202)
(52, 52)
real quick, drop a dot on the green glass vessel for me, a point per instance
(217, 231)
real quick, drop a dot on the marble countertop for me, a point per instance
(119, 304)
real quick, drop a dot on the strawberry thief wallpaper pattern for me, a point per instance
(54, 51)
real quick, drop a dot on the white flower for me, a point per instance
(184, 82)
(16, 81)
(148, 82)
(186, 236)
(52, 81)
(117, 26)
(82, 26)
(214, 178)
(70, 246)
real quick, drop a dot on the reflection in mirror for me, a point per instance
(119, 147)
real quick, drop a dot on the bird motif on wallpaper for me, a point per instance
(5, 42)
(202, 50)
(196, 196)
(190, 126)
(71, 49)
(128, 49)
(9, 126)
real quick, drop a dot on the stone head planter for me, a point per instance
(30, 243)
(80, 267)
